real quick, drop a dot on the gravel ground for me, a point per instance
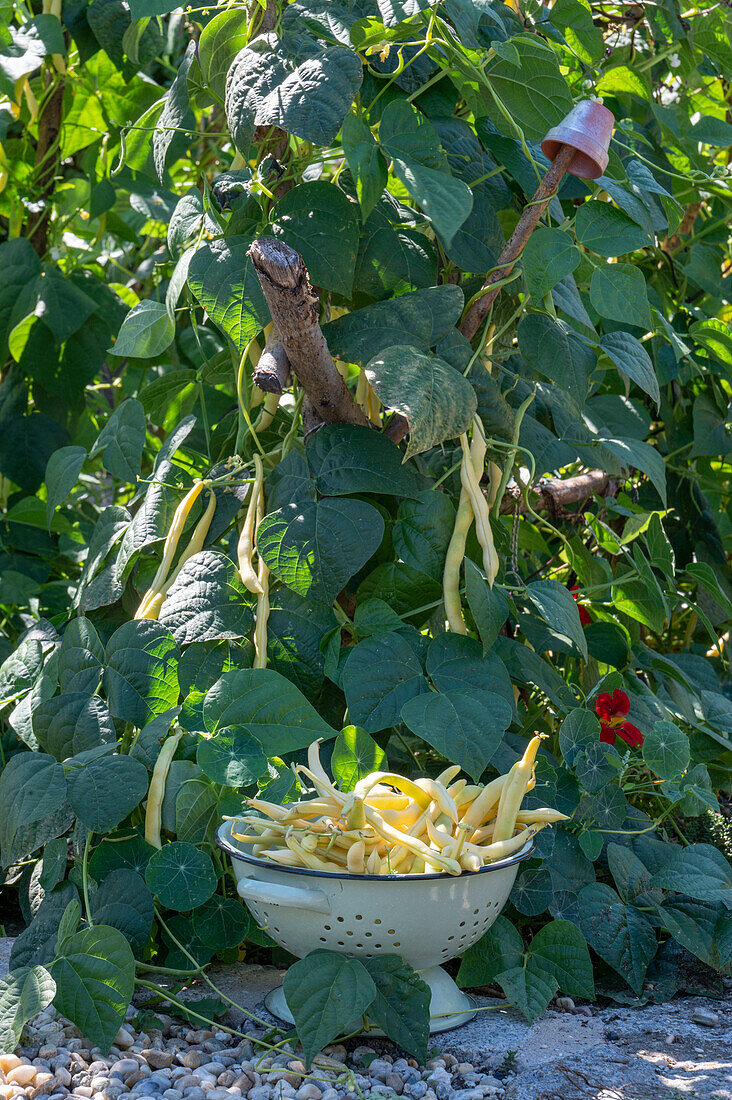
(682, 1049)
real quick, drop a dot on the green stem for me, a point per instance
(205, 977)
(85, 878)
(511, 457)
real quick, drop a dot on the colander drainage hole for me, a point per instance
(462, 923)
(323, 939)
(377, 920)
(349, 932)
(391, 931)
(358, 916)
(341, 943)
(340, 919)
(475, 911)
(327, 927)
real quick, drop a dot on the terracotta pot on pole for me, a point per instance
(578, 146)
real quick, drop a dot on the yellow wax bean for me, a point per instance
(514, 790)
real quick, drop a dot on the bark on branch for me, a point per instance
(272, 372)
(294, 310)
(49, 128)
(553, 495)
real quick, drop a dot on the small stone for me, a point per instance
(583, 1010)
(214, 1068)
(189, 1081)
(100, 1083)
(48, 1051)
(21, 1075)
(700, 1016)
(410, 1076)
(158, 1059)
(45, 1084)
(379, 1068)
(124, 1040)
(83, 1090)
(565, 1004)
(191, 1059)
(261, 1092)
(9, 1061)
(439, 1073)
(227, 1078)
(611, 1035)
(123, 1067)
(464, 1067)
(218, 1094)
(330, 1094)
(140, 1074)
(308, 1091)
(195, 1092)
(670, 1039)
(395, 1083)
(63, 1077)
(416, 1090)
(172, 1094)
(450, 1060)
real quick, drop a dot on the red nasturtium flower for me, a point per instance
(584, 615)
(612, 711)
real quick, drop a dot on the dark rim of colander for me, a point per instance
(227, 846)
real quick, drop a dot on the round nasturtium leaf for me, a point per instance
(233, 757)
(181, 876)
(221, 922)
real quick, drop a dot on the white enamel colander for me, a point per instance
(427, 919)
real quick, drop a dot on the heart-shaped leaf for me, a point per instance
(436, 400)
(268, 705)
(223, 278)
(315, 547)
(325, 992)
(23, 994)
(95, 977)
(464, 726)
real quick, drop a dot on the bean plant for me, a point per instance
(147, 155)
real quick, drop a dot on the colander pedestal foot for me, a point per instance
(449, 1007)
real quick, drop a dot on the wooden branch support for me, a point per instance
(527, 223)
(272, 372)
(294, 309)
(398, 425)
(49, 128)
(553, 495)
